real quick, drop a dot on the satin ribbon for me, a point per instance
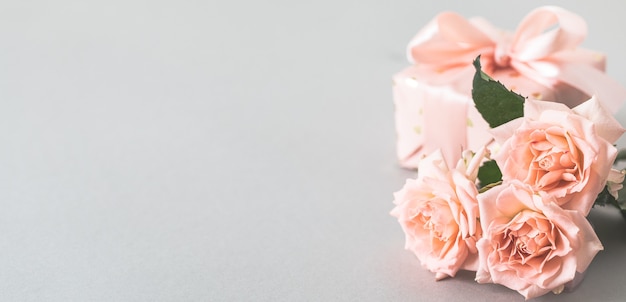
(543, 48)
(535, 50)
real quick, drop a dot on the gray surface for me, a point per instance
(185, 151)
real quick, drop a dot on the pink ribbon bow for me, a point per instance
(451, 42)
(543, 48)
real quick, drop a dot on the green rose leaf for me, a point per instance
(489, 173)
(496, 103)
(620, 202)
(605, 198)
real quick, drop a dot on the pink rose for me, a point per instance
(567, 153)
(438, 212)
(530, 244)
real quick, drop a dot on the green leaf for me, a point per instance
(489, 173)
(605, 198)
(620, 203)
(496, 103)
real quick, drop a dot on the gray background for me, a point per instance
(200, 151)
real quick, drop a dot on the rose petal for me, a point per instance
(605, 124)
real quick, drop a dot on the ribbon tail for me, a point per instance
(592, 81)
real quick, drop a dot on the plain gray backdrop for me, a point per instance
(228, 151)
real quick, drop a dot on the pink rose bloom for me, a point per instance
(438, 212)
(567, 153)
(530, 244)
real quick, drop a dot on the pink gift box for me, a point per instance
(434, 108)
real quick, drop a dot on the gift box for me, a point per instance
(540, 60)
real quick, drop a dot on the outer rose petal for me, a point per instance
(570, 241)
(605, 123)
(438, 212)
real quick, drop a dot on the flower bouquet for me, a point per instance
(516, 217)
(514, 209)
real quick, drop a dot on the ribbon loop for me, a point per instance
(532, 42)
(449, 41)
